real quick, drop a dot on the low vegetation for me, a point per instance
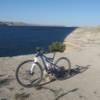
(57, 47)
(53, 47)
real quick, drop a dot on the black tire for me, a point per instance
(65, 64)
(26, 69)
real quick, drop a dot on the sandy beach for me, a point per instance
(82, 85)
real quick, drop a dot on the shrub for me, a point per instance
(56, 46)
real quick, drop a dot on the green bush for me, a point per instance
(56, 47)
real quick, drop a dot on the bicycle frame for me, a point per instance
(44, 60)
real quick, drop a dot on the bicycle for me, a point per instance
(30, 73)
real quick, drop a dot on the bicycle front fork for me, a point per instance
(33, 66)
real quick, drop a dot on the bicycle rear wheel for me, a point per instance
(64, 65)
(27, 79)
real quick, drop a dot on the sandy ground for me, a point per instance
(83, 84)
(82, 37)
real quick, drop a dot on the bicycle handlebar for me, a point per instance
(41, 51)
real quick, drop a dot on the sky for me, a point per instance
(52, 12)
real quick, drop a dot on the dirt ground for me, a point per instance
(83, 84)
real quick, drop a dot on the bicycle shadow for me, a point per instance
(75, 71)
(79, 69)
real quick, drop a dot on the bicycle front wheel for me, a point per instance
(64, 65)
(27, 79)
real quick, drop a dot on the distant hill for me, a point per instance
(6, 23)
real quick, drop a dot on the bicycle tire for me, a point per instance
(18, 71)
(68, 70)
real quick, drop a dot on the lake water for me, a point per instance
(22, 40)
